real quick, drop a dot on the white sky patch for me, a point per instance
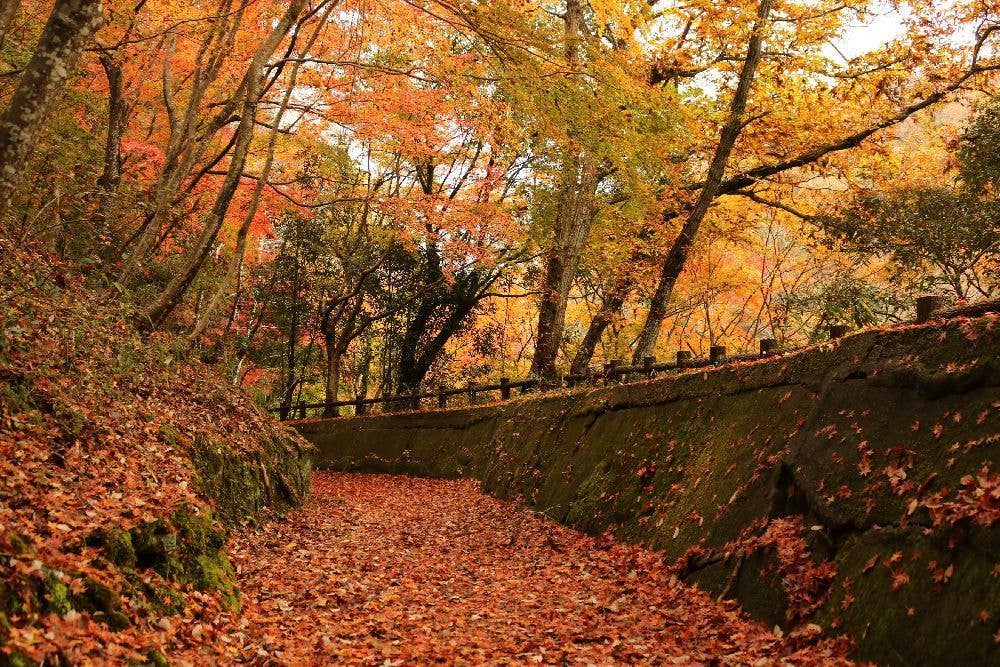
(860, 38)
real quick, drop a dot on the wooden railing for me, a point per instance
(928, 308)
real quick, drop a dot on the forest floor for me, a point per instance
(377, 569)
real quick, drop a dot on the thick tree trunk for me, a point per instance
(165, 303)
(575, 217)
(413, 371)
(70, 27)
(674, 263)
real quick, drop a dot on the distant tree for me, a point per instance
(933, 236)
(979, 155)
(937, 236)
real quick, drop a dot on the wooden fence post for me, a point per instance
(505, 389)
(359, 406)
(415, 398)
(683, 357)
(472, 393)
(717, 354)
(926, 305)
(768, 345)
(442, 396)
(647, 366)
(302, 409)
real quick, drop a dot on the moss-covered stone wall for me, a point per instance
(850, 484)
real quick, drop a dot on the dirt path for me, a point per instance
(394, 570)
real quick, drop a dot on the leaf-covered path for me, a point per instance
(394, 570)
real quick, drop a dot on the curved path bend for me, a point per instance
(387, 570)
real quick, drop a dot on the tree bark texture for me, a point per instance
(70, 27)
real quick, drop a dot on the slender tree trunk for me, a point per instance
(611, 306)
(674, 263)
(70, 27)
(165, 303)
(236, 261)
(293, 335)
(574, 217)
(188, 139)
(366, 368)
(333, 357)
(110, 178)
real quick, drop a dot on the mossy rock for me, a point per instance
(242, 487)
(118, 547)
(186, 548)
(102, 603)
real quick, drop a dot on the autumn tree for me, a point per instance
(70, 27)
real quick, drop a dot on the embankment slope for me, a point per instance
(851, 484)
(123, 463)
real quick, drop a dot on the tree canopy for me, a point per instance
(344, 198)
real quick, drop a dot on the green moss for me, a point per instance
(242, 487)
(156, 659)
(57, 596)
(170, 434)
(10, 604)
(15, 659)
(187, 548)
(214, 572)
(153, 658)
(102, 603)
(118, 547)
(153, 593)
(18, 544)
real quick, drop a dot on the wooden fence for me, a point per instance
(928, 308)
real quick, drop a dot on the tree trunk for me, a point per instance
(236, 261)
(70, 27)
(188, 138)
(575, 217)
(110, 178)
(293, 335)
(412, 373)
(611, 305)
(333, 356)
(165, 303)
(674, 263)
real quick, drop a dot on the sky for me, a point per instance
(863, 38)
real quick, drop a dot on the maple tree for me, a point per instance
(333, 200)
(567, 153)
